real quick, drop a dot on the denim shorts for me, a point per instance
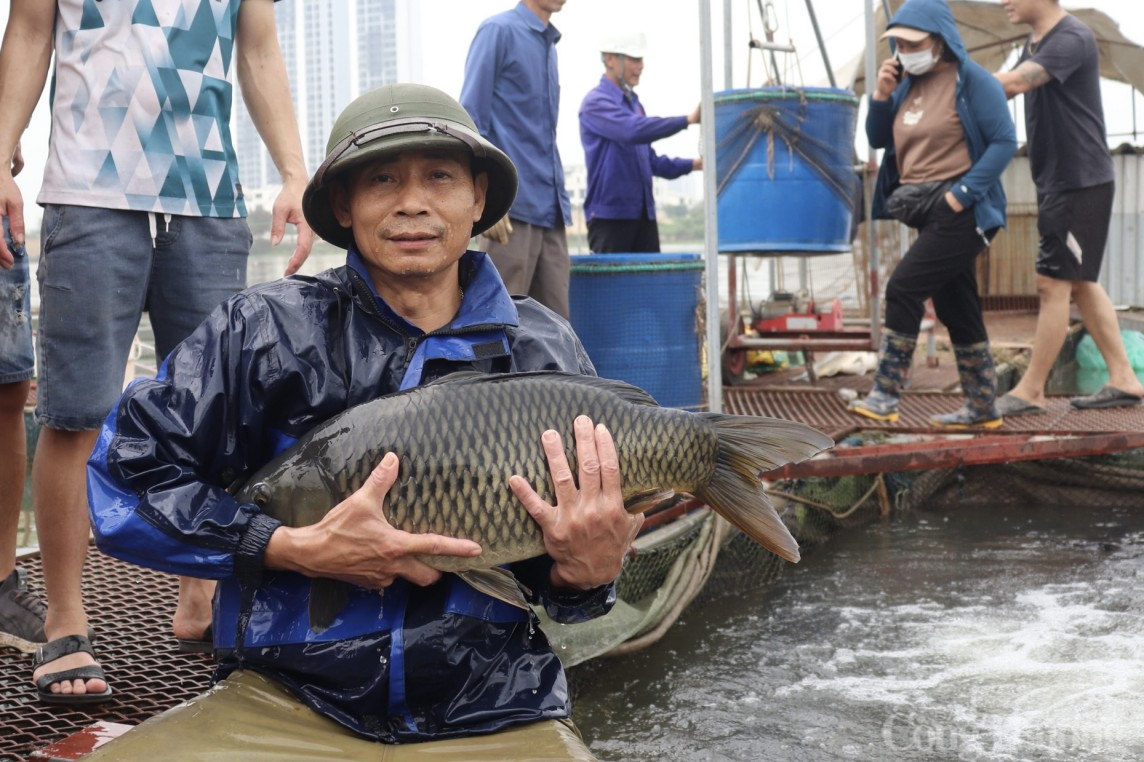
(100, 269)
(17, 363)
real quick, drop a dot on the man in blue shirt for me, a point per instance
(512, 91)
(617, 134)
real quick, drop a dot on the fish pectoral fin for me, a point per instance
(647, 501)
(327, 599)
(498, 583)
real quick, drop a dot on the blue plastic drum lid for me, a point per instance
(638, 316)
(786, 169)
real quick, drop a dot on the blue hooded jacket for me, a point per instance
(981, 105)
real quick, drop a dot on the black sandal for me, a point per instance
(49, 652)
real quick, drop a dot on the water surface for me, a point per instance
(979, 634)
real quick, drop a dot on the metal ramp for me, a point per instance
(1061, 432)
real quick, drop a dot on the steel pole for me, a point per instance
(728, 34)
(821, 43)
(710, 215)
(875, 287)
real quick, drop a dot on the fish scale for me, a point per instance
(459, 440)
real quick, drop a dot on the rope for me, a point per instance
(827, 508)
(783, 116)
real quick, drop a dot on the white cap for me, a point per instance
(630, 45)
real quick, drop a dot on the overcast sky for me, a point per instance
(671, 81)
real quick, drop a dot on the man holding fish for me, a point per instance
(330, 562)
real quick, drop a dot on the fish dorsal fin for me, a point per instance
(622, 389)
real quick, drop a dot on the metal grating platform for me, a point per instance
(1061, 432)
(130, 609)
(825, 410)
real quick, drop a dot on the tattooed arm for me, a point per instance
(1028, 76)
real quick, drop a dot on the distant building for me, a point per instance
(334, 51)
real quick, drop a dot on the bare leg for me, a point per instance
(59, 489)
(1100, 320)
(13, 466)
(1052, 329)
(193, 612)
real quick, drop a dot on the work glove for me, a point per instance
(500, 231)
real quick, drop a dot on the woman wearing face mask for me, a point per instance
(947, 134)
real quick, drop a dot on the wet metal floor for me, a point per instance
(130, 609)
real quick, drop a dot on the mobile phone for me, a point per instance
(898, 68)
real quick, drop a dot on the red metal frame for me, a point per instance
(951, 453)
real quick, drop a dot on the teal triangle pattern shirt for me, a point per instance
(141, 102)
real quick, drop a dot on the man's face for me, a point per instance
(546, 7)
(625, 68)
(412, 215)
(1020, 11)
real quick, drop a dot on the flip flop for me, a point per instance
(49, 652)
(1008, 405)
(203, 645)
(1107, 396)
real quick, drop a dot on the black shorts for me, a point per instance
(1073, 226)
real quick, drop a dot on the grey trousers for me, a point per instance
(535, 263)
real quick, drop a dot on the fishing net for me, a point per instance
(1115, 480)
(787, 118)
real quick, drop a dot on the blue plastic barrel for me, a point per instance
(640, 318)
(785, 167)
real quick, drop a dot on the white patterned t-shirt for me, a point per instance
(141, 99)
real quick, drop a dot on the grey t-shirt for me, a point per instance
(1064, 118)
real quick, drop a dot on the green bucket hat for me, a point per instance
(404, 117)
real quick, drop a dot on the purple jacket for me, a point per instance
(617, 133)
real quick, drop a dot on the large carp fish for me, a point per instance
(461, 438)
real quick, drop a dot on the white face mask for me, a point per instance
(918, 63)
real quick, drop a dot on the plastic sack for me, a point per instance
(1089, 358)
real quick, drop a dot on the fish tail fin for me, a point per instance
(327, 599)
(749, 446)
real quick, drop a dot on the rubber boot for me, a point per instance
(894, 362)
(979, 385)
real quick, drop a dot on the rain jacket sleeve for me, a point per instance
(880, 121)
(152, 502)
(991, 128)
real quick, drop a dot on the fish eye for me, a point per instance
(262, 494)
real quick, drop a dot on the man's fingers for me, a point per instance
(588, 457)
(302, 250)
(610, 479)
(562, 480)
(440, 545)
(380, 480)
(533, 502)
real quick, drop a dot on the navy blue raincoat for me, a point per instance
(266, 366)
